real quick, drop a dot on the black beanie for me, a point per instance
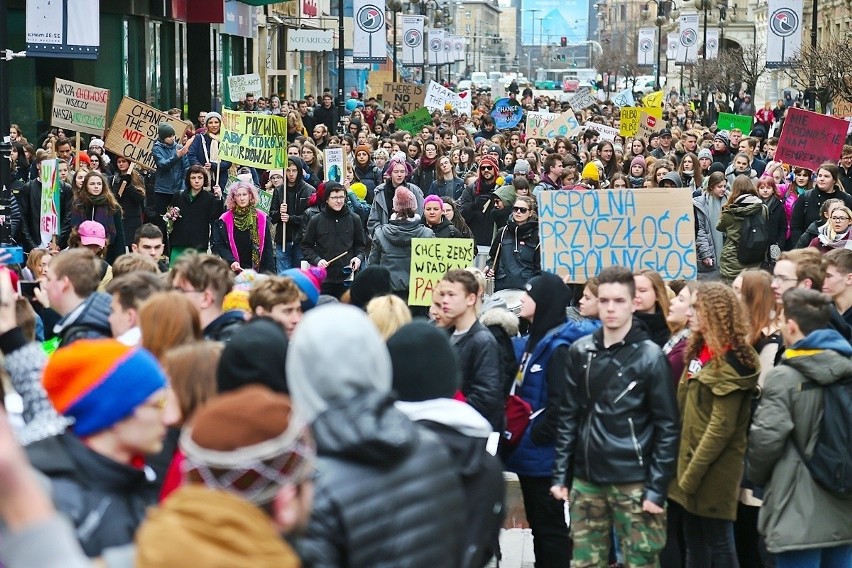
(255, 355)
(369, 283)
(332, 186)
(716, 167)
(551, 300)
(425, 365)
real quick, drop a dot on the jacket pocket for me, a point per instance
(636, 445)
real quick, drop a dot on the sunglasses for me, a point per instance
(486, 168)
(520, 209)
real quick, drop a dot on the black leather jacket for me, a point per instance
(619, 421)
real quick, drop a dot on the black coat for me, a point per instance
(407, 507)
(197, 216)
(92, 322)
(806, 210)
(618, 422)
(297, 203)
(777, 222)
(132, 203)
(369, 176)
(478, 210)
(105, 500)
(516, 250)
(481, 363)
(330, 233)
(445, 230)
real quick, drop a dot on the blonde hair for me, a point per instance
(388, 314)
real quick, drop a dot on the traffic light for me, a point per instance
(563, 41)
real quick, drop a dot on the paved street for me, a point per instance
(516, 538)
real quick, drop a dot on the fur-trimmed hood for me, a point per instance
(502, 317)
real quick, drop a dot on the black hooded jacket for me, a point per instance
(618, 422)
(296, 198)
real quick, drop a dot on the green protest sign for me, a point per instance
(729, 121)
(414, 121)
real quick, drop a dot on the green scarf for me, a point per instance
(245, 219)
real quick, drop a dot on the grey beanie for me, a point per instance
(164, 131)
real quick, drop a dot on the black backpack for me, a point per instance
(830, 464)
(754, 238)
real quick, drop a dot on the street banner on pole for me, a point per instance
(647, 44)
(369, 42)
(79, 107)
(134, 129)
(412, 41)
(458, 44)
(255, 140)
(687, 51)
(61, 28)
(784, 32)
(712, 43)
(672, 43)
(436, 45)
(809, 139)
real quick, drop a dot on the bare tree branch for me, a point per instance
(826, 67)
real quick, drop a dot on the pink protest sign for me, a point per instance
(810, 139)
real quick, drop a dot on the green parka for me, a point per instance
(715, 405)
(730, 224)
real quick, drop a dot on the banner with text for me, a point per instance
(133, 131)
(537, 122)
(239, 85)
(51, 188)
(255, 140)
(605, 132)
(727, 121)
(62, 29)
(335, 164)
(412, 41)
(582, 232)
(583, 98)
(566, 126)
(430, 260)
(687, 49)
(369, 43)
(809, 139)
(407, 96)
(649, 124)
(629, 120)
(647, 54)
(436, 46)
(784, 32)
(712, 43)
(438, 97)
(414, 122)
(79, 107)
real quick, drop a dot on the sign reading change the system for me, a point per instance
(430, 260)
(583, 232)
(134, 130)
(255, 140)
(79, 107)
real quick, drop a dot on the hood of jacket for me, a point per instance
(822, 356)
(746, 205)
(365, 428)
(638, 332)
(724, 375)
(399, 232)
(300, 171)
(94, 315)
(454, 414)
(502, 317)
(507, 194)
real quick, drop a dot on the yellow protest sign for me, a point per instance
(430, 260)
(654, 99)
(582, 232)
(629, 120)
(255, 140)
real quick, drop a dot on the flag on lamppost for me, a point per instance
(369, 43)
(412, 41)
(672, 42)
(436, 45)
(784, 28)
(458, 43)
(647, 43)
(448, 48)
(712, 49)
(687, 51)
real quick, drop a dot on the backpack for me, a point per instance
(830, 465)
(754, 238)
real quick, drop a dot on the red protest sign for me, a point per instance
(810, 139)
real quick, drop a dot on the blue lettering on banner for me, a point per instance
(583, 232)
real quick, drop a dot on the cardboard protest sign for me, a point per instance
(79, 107)
(239, 85)
(629, 119)
(537, 122)
(649, 124)
(582, 232)
(606, 132)
(507, 113)
(430, 260)
(134, 130)
(839, 107)
(51, 188)
(728, 121)
(335, 164)
(255, 140)
(438, 97)
(407, 96)
(582, 99)
(809, 139)
(566, 126)
(414, 122)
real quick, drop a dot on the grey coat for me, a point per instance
(705, 227)
(380, 212)
(392, 248)
(797, 513)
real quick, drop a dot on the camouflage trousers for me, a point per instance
(596, 509)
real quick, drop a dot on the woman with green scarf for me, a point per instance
(241, 236)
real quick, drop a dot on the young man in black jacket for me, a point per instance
(618, 432)
(290, 194)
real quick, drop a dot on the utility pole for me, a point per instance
(341, 105)
(5, 122)
(812, 85)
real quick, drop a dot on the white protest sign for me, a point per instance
(537, 122)
(334, 164)
(239, 85)
(606, 132)
(582, 99)
(439, 98)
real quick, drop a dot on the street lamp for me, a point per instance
(665, 9)
(395, 6)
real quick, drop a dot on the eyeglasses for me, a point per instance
(777, 278)
(486, 169)
(276, 176)
(520, 209)
(844, 218)
(337, 198)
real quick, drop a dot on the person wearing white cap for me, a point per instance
(205, 150)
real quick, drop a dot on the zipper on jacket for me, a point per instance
(516, 238)
(636, 445)
(629, 388)
(589, 420)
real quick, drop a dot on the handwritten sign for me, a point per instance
(649, 124)
(840, 107)
(582, 99)
(727, 121)
(629, 119)
(605, 132)
(239, 85)
(408, 96)
(430, 260)
(50, 191)
(537, 122)
(79, 107)
(438, 97)
(507, 113)
(566, 126)
(582, 232)
(255, 140)
(809, 139)
(335, 164)
(414, 122)
(134, 130)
